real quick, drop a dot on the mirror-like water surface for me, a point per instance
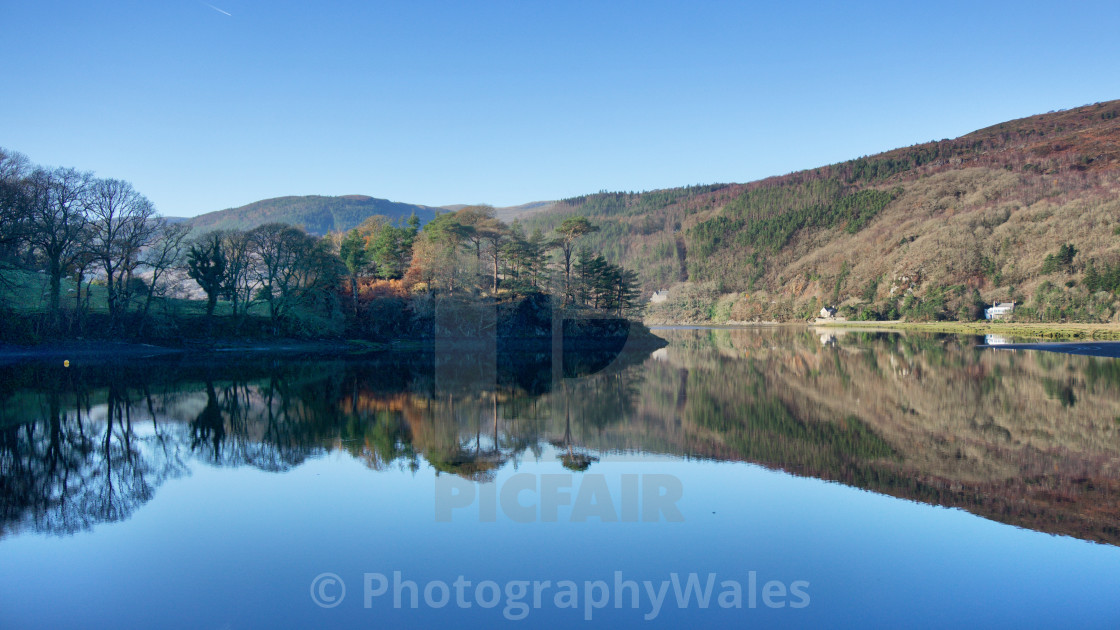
(736, 477)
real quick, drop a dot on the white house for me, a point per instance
(659, 296)
(828, 311)
(999, 310)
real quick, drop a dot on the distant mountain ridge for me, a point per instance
(321, 215)
(317, 214)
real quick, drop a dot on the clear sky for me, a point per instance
(207, 106)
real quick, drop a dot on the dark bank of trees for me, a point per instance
(64, 223)
(102, 243)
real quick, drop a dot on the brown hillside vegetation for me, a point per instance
(930, 231)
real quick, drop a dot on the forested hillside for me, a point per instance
(1027, 210)
(316, 214)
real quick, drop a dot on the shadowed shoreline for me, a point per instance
(1110, 349)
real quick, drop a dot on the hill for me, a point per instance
(509, 213)
(1027, 210)
(316, 214)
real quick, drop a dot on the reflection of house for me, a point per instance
(828, 311)
(659, 296)
(999, 310)
(994, 340)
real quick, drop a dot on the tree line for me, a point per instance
(69, 224)
(471, 252)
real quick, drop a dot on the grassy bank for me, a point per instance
(1011, 329)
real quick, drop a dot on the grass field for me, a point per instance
(28, 292)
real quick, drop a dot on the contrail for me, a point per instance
(217, 9)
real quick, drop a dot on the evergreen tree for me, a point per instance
(568, 232)
(356, 258)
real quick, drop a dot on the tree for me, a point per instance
(435, 255)
(536, 263)
(389, 251)
(14, 202)
(1092, 278)
(626, 289)
(123, 223)
(1063, 261)
(605, 285)
(474, 220)
(83, 262)
(525, 263)
(163, 256)
(516, 258)
(239, 277)
(387, 246)
(593, 278)
(1065, 255)
(276, 246)
(206, 265)
(422, 267)
(57, 205)
(495, 234)
(356, 257)
(317, 277)
(568, 232)
(413, 225)
(293, 267)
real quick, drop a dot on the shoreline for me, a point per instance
(106, 350)
(1068, 331)
(100, 350)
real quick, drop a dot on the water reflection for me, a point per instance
(1027, 438)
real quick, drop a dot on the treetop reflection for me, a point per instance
(1027, 438)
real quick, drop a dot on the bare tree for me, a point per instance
(164, 255)
(14, 169)
(240, 261)
(84, 261)
(123, 224)
(278, 248)
(291, 266)
(57, 207)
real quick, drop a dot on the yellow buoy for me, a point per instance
(66, 363)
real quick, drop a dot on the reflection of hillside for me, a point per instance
(1025, 438)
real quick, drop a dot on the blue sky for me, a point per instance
(505, 103)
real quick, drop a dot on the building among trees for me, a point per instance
(999, 310)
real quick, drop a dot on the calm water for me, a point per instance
(801, 480)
